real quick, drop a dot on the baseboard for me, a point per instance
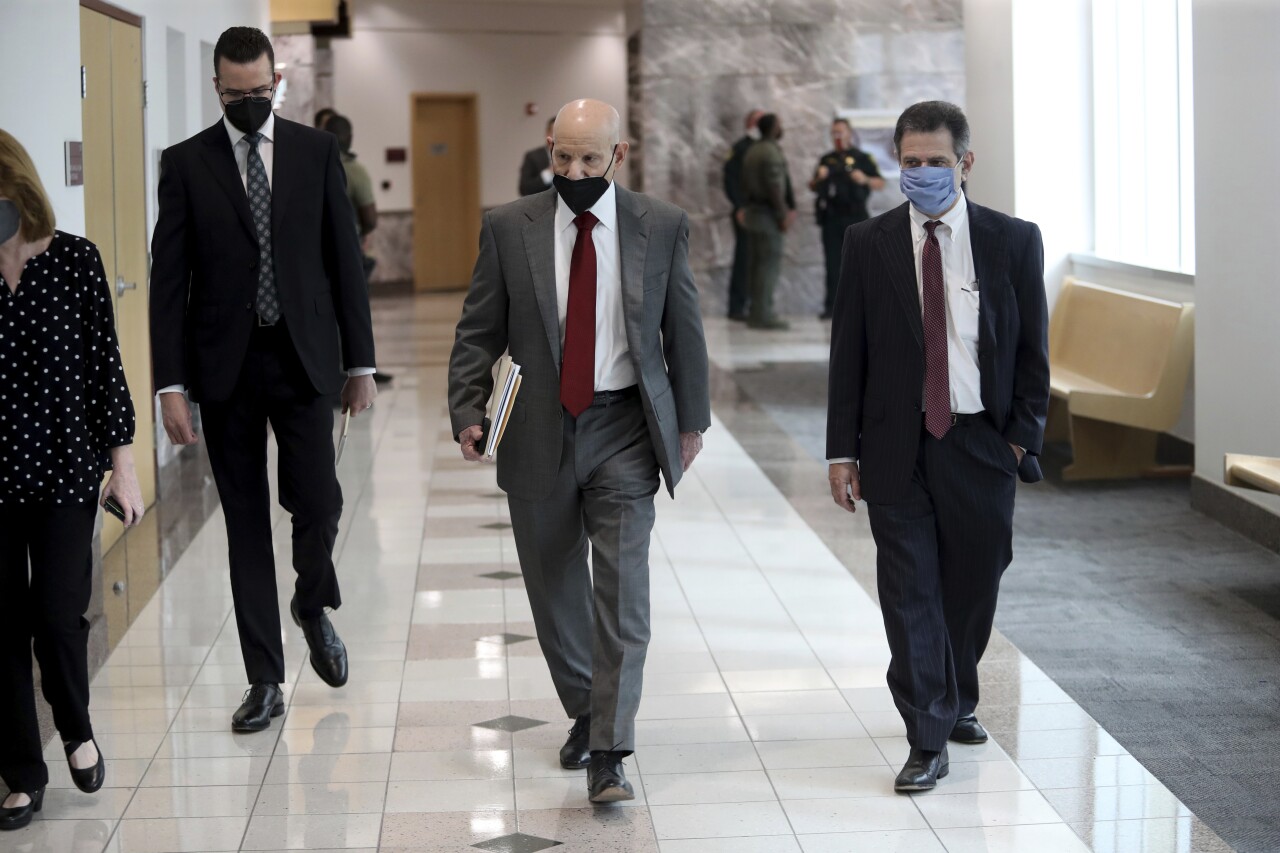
(1225, 506)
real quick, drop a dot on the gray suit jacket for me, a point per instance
(512, 306)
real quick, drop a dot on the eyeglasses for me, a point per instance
(233, 96)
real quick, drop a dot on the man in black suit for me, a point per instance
(256, 270)
(535, 171)
(938, 394)
(739, 298)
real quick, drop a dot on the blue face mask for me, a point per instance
(932, 189)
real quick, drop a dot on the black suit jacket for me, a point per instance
(204, 272)
(536, 160)
(877, 345)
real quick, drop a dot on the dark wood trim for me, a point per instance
(113, 12)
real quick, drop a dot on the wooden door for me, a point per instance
(115, 210)
(446, 191)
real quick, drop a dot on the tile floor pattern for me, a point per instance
(766, 725)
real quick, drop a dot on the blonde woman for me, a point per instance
(65, 419)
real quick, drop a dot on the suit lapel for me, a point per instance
(900, 263)
(633, 241)
(540, 249)
(284, 166)
(221, 161)
(990, 263)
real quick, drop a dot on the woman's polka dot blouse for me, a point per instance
(63, 399)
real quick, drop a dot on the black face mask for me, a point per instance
(249, 114)
(582, 194)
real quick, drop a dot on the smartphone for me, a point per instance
(114, 508)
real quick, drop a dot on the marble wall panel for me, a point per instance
(702, 66)
(393, 247)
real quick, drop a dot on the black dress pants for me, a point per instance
(833, 228)
(739, 282)
(940, 553)
(46, 581)
(273, 388)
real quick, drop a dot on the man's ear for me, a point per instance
(968, 165)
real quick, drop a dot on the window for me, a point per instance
(1143, 133)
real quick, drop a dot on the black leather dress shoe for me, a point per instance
(328, 654)
(17, 818)
(87, 779)
(968, 730)
(606, 781)
(261, 703)
(575, 754)
(922, 771)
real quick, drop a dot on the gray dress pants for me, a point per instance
(593, 622)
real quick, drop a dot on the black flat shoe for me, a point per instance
(17, 818)
(968, 730)
(261, 703)
(88, 779)
(922, 771)
(576, 754)
(328, 653)
(606, 781)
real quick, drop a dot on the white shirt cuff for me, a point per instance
(173, 389)
(361, 371)
(840, 460)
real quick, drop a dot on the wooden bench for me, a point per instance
(1261, 473)
(1118, 365)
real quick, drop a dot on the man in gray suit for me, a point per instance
(588, 286)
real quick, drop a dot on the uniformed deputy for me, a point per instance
(738, 287)
(842, 181)
(770, 210)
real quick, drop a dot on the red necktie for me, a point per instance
(578, 368)
(937, 377)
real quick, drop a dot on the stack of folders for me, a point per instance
(506, 385)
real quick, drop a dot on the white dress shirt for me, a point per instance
(614, 370)
(962, 287)
(266, 150)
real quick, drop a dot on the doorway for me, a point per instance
(115, 205)
(446, 191)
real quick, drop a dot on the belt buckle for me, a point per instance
(262, 325)
(954, 418)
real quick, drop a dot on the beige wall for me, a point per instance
(1237, 253)
(507, 54)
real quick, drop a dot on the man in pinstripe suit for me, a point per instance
(938, 393)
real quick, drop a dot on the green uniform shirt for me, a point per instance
(359, 185)
(765, 179)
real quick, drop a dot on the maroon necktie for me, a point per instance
(578, 369)
(937, 377)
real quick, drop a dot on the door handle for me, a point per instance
(122, 286)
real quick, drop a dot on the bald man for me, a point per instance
(588, 285)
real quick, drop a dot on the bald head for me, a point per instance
(584, 139)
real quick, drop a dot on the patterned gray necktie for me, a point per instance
(259, 189)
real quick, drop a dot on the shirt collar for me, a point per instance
(954, 219)
(268, 130)
(605, 209)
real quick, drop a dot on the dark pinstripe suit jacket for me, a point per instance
(877, 345)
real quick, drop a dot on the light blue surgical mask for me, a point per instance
(932, 189)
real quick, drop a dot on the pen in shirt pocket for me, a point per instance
(972, 288)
